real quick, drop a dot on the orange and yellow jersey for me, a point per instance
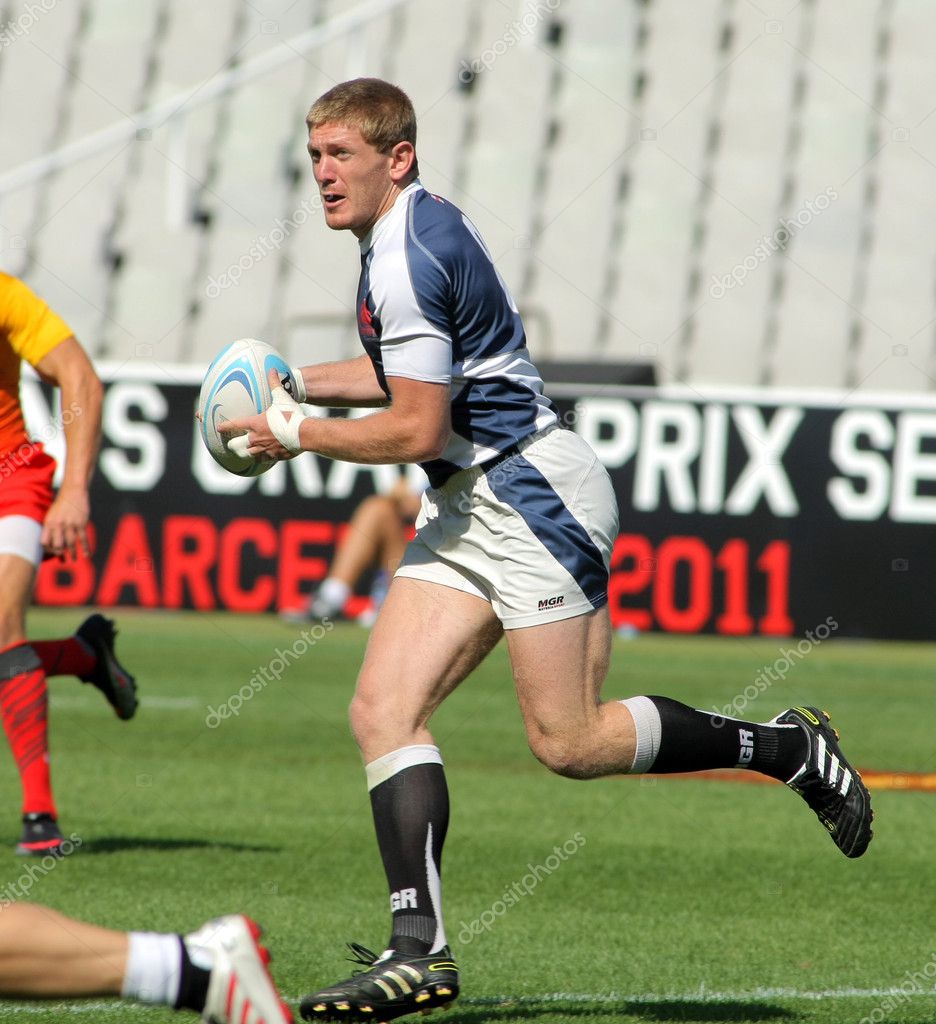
(28, 330)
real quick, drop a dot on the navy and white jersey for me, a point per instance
(431, 306)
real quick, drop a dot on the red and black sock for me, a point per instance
(68, 657)
(24, 708)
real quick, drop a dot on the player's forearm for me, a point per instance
(383, 438)
(348, 383)
(81, 417)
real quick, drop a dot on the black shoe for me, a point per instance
(829, 784)
(394, 984)
(109, 676)
(41, 837)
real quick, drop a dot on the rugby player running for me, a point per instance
(514, 538)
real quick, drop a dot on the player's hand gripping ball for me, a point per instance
(236, 386)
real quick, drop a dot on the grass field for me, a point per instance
(672, 900)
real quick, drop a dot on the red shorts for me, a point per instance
(26, 482)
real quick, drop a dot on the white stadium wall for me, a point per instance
(739, 193)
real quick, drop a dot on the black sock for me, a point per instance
(411, 811)
(193, 985)
(692, 741)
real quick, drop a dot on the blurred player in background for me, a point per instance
(35, 523)
(514, 538)
(218, 971)
(376, 538)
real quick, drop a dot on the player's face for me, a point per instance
(354, 179)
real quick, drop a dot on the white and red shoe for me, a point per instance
(241, 990)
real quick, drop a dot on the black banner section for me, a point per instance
(745, 514)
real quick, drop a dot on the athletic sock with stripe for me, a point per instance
(409, 799)
(673, 737)
(160, 970)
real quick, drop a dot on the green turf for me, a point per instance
(673, 900)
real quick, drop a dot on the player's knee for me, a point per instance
(562, 753)
(377, 508)
(375, 723)
(364, 720)
(11, 626)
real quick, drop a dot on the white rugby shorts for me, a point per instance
(532, 535)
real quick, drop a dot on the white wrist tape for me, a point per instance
(238, 444)
(285, 429)
(299, 388)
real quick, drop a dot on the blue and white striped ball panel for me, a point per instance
(236, 386)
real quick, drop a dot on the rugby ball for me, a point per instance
(236, 386)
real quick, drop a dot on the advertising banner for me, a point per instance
(742, 513)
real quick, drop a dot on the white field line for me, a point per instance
(702, 996)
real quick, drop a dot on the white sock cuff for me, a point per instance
(154, 968)
(334, 592)
(390, 764)
(646, 717)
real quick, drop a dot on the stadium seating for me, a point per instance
(634, 167)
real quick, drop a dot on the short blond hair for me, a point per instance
(381, 112)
